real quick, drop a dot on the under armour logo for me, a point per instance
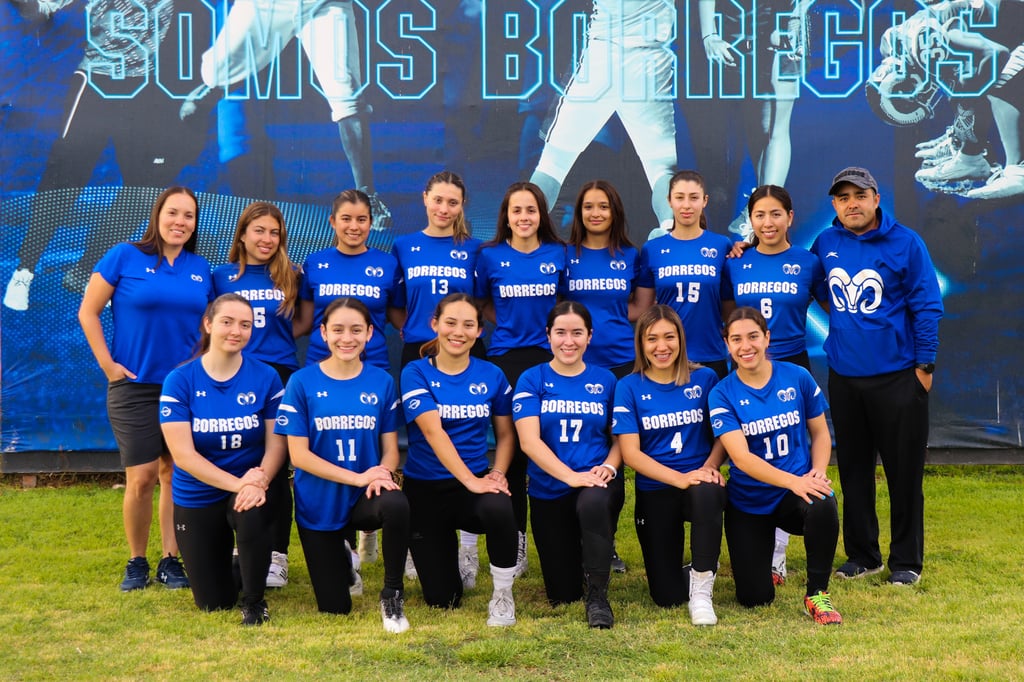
(232, 278)
(791, 269)
(666, 250)
(548, 384)
(748, 266)
(416, 248)
(197, 278)
(645, 396)
(458, 255)
(321, 394)
(200, 394)
(151, 271)
(435, 384)
(594, 389)
(832, 254)
(787, 394)
(246, 398)
(709, 252)
(548, 268)
(861, 293)
(506, 264)
(617, 265)
(478, 389)
(744, 401)
(368, 398)
(323, 265)
(374, 272)
(692, 392)
(574, 261)
(181, 527)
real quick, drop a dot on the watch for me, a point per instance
(926, 367)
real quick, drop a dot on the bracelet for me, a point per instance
(615, 472)
(708, 36)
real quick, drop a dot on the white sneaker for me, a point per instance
(960, 166)
(469, 566)
(702, 584)
(277, 575)
(410, 567)
(522, 559)
(16, 295)
(380, 212)
(741, 227)
(355, 587)
(367, 546)
(501, 611)
(779, 569)
(392, 612)
(1008, 182)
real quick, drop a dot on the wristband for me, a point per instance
(615, 472)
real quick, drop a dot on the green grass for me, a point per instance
(61, 615)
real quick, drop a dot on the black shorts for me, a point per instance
(133, 411)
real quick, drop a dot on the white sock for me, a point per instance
(503, 577)
(467, 539)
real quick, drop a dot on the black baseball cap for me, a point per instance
(858, 176)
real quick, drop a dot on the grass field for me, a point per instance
(62, 617)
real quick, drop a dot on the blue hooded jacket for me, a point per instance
(884, 298)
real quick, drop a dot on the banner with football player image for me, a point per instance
(107, 102)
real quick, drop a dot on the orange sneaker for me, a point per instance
(819, 607)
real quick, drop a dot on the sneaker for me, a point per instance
(958, 167)
(392, 612)
(779, 566)
(501, 611)
(380, 212)
(522, 559)
(941, 139)
(255, 614)
(136, 574)
(277, 574)
(904, 578)
(618, 565)
(355, 579)
(819, 607)
(599, 611)
(851, 569)
(933, 156)
(1004, 183)
(702, 611)
(171, 573)
(16, 295)
(410, 567)
(367, 546)
(469, 566)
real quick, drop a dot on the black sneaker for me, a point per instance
(392, 611)
(255, 614)
(904, 578)
(136, 574)
(171, 573)
(599, 611)
(618, 565)
(851, 569)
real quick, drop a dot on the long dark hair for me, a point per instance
(618, 237)
(350, 196)
(203, 345)
(431, 347)
(690, 176)
(152, 242)
(570, 308)
(545, 231)
(775, 192)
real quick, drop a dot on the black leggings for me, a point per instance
(573, 535)
(281, 525)
(660, 518)
(206, 537)
(439, 509)
(751, 539)
(513, 364)
(330, 564)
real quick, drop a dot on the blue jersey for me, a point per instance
(524, 288)
(774, 420)
(156, 309)
(575, 416)
(689, 275)
(604, 283)
(344, 421)
(780, 286)
(228, 420)
(272, 339)
(372, 277)
(432, 268)
(670, 420)
(465, 403)
(885, 304)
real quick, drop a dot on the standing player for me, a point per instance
(157, 289)
(255, 32)
(626, 69)
(884, 297)
(450, 399)
(341, 418)
(762, 413)
(217, 414)
(563, 416)
(685, 271)
(661, 421)
(519, 273)
(259, 269)
(352, 269)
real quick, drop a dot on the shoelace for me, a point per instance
(821, 601)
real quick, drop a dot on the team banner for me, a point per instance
(106, 102)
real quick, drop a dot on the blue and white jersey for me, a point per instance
(781, 286)
(689, 275)
(344, 421)
(774, 420)
(671, 420)
(156, 309)
(524, 288)
(575, 416)
(604, 283)
(228, 420)
(372, 277)
(432, 268)
(465, 402)
(272, 339)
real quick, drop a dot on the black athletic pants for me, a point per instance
(330, 563)
(751, 539)
(884, 415)
(660, 517)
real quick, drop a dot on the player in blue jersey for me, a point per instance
(685, 270)
(519, 274)
(352, 269)
(780, 280)
(157, 289)
(259, 269)
(341, 418)
(662, 425)
(770, 417)
(217, 414)
(563, 416)
(450, 400)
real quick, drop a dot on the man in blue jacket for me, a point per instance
(884, 316)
